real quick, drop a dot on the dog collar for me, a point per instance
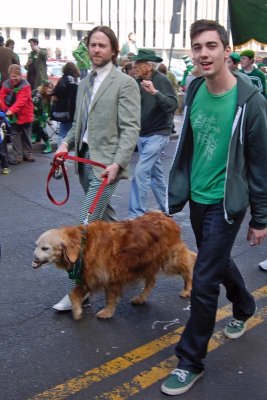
(75, 273)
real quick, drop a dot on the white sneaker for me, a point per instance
(263, 265)
(65, 304)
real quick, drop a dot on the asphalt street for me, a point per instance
(48, 355)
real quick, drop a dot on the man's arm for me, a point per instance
(129, 109)
(164, 93)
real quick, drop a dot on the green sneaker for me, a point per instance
(235, 328)
(180, 381)
(6, 171)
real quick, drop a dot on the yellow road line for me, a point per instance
(119, 364)
(147, 378)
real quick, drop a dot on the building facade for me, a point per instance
(60, 24)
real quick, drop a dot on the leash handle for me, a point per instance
(58, 161)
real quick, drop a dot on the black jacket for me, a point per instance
(65, 93)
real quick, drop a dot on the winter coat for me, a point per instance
(82, 57)
(7, 57)
(65, 94)
(246, 172)
(36, 68)
(23, 105)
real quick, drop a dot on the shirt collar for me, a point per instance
(104, 70)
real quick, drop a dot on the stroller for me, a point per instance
(4, 126)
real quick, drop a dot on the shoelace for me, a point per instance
(235, 323)
(181, 374)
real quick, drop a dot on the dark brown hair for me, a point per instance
(10, 42)
(71, 69)
(112, 38)
(203, 25)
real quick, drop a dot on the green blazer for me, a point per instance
(114, 121)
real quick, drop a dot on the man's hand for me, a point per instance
(111, 172)
(149, 87)
(63, 148)
(256, 236)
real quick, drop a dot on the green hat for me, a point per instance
(146, 55)
(247, 53)
(261, 64)
(235, 57)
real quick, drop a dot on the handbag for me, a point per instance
(59, 116)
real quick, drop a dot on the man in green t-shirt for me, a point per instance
(219, 167)
(256, 76)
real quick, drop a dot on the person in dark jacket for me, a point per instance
(36, 65)
(158, 104)
(65, 94)
(7, 58)
(220, 168)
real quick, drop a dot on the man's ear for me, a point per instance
(227, 52)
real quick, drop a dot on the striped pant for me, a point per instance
(91, 185)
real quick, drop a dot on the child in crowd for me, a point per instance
(42, 100)
(16, 102)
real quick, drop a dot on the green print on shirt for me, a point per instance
(207, 134)
(211, 120)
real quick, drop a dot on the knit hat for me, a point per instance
(146, 55)
(261, 64)
(235, 57)
(187, 60)
(247, 53)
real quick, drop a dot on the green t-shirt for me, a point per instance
(211, 120)
(257, 77)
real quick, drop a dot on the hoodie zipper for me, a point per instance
(240, 112)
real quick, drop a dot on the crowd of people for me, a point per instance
(219, 164)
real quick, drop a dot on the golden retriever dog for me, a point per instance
(116, 254)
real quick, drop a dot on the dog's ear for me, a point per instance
(70, 252)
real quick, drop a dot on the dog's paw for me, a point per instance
(77, 313)
(104, 313)
(137, 300)
(184, 293)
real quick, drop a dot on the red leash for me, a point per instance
(58, 161)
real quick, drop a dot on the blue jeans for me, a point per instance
(148, 173)
(214, 266)
(63, 130)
